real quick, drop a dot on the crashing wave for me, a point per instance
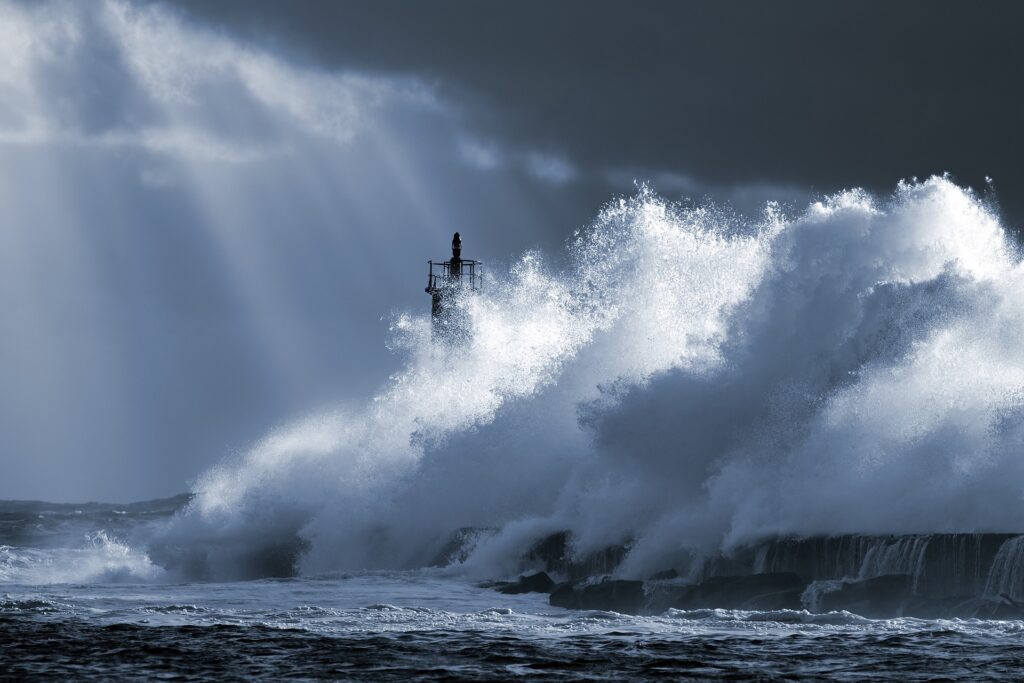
(692, 381)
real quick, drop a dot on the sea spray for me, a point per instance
(691, 381)
(1007, 574)
(97, 558)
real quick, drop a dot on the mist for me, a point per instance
(691, 382)
(203, 238)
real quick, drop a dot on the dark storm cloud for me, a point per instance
(815, 94)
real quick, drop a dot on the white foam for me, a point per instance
(99, 559)
(691, 380)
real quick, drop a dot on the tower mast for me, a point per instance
(456, 277)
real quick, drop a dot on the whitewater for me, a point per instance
(691, 379)
(684, 383)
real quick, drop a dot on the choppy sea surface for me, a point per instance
(418, 625)
(77, 601)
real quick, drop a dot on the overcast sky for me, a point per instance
(209, 211)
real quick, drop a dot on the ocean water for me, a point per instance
(685, 382)
(76, 601)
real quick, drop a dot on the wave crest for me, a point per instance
(692, 380)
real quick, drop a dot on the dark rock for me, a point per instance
(893, 595)
(962, 607)
(739, 562)
(661, 595)
(737, 592)
(1006, 609)
(554, 553)
(665, 575)
(496, 585)
(879, 597)
(950, 575)
(613, 595)
(770, 602)
(600, 563)
(565, 595)
(460, 545)
(534, 583)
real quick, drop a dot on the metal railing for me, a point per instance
(470, 274)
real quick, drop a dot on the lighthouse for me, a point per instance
(447, 282)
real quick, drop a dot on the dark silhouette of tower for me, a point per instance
(455, 265)
(457, 276)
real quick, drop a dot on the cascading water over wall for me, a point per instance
(938, 564)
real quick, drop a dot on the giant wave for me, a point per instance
(693, 382)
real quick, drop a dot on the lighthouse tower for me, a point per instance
(447, 282)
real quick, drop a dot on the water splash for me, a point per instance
(692, 380)
(100, 558)
(1007, 574)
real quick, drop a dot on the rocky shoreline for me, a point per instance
(926, 576)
